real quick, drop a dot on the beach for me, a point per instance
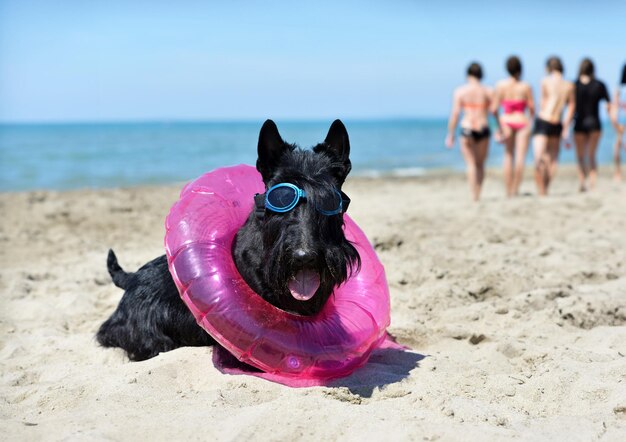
(514, 310)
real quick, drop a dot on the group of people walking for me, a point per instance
(561, 103)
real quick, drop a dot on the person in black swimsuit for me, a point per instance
(587, 127)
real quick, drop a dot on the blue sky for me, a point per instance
(156, 60)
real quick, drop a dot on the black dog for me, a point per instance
(293, 259)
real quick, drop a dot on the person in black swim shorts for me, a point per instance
(556, 95)
(548, 129)
(587, 126)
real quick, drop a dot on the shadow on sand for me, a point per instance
(386, 366)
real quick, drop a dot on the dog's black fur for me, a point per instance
(268, 252)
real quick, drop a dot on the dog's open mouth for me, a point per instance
(304, 284)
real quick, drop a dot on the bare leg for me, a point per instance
(554, 145)
(522, 138)
(468, 149)
(594, 139)
(509, 147)
(540, 146)
(482, 150)
(581, 139)
(617, 176)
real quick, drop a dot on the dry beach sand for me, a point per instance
(515, 310)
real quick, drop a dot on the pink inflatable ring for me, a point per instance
(199, 235)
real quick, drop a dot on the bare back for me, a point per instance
(474, 99)
(556, 93)
(512, 89)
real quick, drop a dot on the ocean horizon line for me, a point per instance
(165, 121)
(228, 121)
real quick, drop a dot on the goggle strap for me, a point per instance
(345, 202)
(259, 205)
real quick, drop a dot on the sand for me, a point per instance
(515, 311)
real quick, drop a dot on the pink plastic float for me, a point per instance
(199, 233)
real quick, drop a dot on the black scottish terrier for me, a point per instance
(294, 259)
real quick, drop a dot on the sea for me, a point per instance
(104, 155)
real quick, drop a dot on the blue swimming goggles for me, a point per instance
(284, 197)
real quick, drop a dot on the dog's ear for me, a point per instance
(271, 148)
(337, 146)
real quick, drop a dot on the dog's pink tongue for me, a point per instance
(304, 285)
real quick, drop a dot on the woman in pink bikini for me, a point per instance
(515, 96)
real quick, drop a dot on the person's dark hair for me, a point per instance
(624, 74)
(474, 70)
(554, 64)
(586, 68)
(514, 66)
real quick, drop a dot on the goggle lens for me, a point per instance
(330, 204)
(283, 197)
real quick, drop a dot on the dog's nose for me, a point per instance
(303, 257)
